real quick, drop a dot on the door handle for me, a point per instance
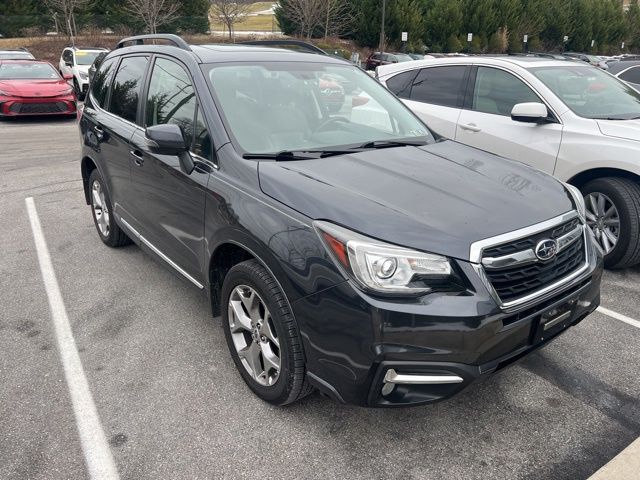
(472, 127)
(137, 157)
(99, 133)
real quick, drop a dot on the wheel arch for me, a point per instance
(87, 166)
(580, 179)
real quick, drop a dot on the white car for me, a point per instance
(76, 61)
(566, 118)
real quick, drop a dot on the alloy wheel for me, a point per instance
(603, 219)
(100, 208)
(254, 336)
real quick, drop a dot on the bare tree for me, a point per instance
(153, 12)
(309, 14)
(338, 17)
(67, 8)
(230, 12)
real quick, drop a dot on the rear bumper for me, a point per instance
(374, 352)
(22, 107)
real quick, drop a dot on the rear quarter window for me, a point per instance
(439, 86)
(101, 82)
(126, 87)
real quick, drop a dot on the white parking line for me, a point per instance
(619, 316)
(94, 444)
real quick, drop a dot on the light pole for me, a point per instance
(381, 47)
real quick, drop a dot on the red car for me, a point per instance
(29, 87)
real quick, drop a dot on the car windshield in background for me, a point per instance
(28, 71)
(86, 58)
(16, 56)
(590, 92)
(288, 106)
(404, 58)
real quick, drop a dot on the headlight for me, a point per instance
(83, 75)
(384, 268)
(578, 201)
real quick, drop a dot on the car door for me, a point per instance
(170, 204)
(112, 122)
(436, 94)
(486, 122)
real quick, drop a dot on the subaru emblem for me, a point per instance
(546, 249)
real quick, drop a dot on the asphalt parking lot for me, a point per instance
(172, 405)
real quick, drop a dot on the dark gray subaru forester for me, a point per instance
(345, 246)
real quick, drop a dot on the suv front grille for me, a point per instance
(513, 282)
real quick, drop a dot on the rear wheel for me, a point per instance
(613, 214)
(262, 335)
(108, 230)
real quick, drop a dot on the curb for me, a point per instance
(624, 466)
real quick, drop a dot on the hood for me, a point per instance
(628, 129)
(34, 88)
(438, 198)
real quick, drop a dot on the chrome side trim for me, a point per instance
(410, 379)
(529, 256)
(475, 251)
(155, 250)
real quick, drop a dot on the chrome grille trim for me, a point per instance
(476, 249)
(529, 256)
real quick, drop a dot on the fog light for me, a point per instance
(387, 388)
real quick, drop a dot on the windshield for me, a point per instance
(23, 71)
(86, 58)
(16, 56)
(292, 106)
(403, 57)
(590, 92)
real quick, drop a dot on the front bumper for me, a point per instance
(355, 344)
(36, 106)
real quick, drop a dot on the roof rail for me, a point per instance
(139, 40)
(291, 43)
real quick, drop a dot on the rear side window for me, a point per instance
(439, 85)
(400, 84)
(172, 99)
(632, 75)
(126, 87)
(497, 91)
(101, 82)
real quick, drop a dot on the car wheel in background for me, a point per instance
(613, 214)
(262, 335)
(108, 230)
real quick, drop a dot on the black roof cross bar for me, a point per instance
(139, 40)
(285, 43)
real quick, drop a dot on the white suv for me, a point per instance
(566, 118)
(76, 61)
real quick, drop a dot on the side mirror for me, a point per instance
(531, 112)
(167, 139)
(69, 64)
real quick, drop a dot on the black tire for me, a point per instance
(625, 195)
(116, 236)
(291, 384)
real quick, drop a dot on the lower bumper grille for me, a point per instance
(35, 108)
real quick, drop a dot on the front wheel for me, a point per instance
(262, 335)
(613, 214)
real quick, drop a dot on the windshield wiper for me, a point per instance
(289, 155)
(393, 143)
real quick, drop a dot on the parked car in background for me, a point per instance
(355, 254)
(377, 58)
(420, 56)
(626, 70)
(568, 119)
(17, 54)
(590, 59)
(31, 87)
(76, 61)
